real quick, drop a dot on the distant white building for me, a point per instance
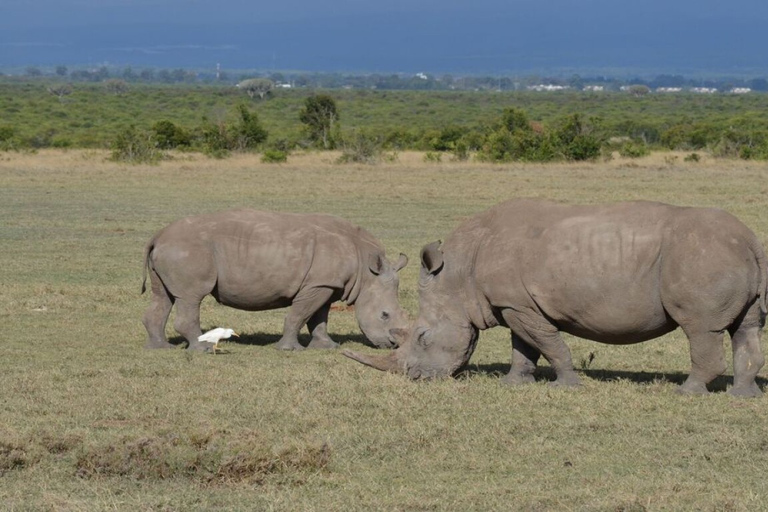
(740, 90)
(669, 89)
(423, 76)
(594, 88)
(547, 87)
(704, 90)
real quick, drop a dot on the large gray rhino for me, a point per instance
(256, 260)
(619, 273)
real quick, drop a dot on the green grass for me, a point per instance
(89, 420)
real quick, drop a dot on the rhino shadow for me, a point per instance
(720, 383)
(263, 339)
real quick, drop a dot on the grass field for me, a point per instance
(89, 420)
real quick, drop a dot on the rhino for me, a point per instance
(259, 260)
(616, 273)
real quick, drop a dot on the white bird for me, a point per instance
(216, 335)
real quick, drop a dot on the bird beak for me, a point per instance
(235, 334)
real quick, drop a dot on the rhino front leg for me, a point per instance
(304, 306)
(542, 336)
(318, 327)
(524, 359)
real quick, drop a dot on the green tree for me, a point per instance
(260, 87)
(319, 115)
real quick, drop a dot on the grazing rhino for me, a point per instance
(619, 274)
(257, 260)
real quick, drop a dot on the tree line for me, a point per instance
(385, 81)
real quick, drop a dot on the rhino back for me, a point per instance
(256, 260)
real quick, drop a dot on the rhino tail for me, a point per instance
(147, 252)
(762, 263)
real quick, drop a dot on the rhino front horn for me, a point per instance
(387, 363)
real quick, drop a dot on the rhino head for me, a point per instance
(377, 307)
(442, 338)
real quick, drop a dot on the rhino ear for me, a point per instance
(375, 264)
(432, 258)
(401, 263)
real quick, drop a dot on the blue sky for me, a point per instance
(481, 36)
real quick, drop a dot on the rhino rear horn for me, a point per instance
(388, 363)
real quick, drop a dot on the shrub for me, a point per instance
(575, 140)
(461, 151)
(274, 156)
(136, 147)
(218, 139)
(249, 133)
(361, 148)
(7, 133)
(169, 136)
(693, 157)
(432, 156)
(634, 149)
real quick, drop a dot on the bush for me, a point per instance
(634, 149)
(693, 157)
(274, 156)
(362, 148)
(7, 133)
(169, 136)
(136, 147)
(218, 139)
(576, 141)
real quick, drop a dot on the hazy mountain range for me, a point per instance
(478, 37)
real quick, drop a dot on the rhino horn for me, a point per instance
(388, 363)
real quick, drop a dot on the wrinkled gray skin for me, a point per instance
(618, 274)
(255, 260)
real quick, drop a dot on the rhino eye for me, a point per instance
(384, 316)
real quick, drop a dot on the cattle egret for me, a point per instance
(216, 335)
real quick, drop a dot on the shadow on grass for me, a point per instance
(720, 384)
(263, 339)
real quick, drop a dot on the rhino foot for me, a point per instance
(158, 344)
(323, 343)
(750, 391)
(518, 379)
(692, 388)
(566, 380)
(288, 344)
(201, 347)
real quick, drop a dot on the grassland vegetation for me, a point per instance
(462, 122)
(89, 420)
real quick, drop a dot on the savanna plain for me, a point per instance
(90, 420)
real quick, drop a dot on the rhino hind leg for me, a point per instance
(156, 315)
(524, 359)
(308, 302)
(543, 337)
(748, 359)
(707, 361)
(318, 328)
(187, 323)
